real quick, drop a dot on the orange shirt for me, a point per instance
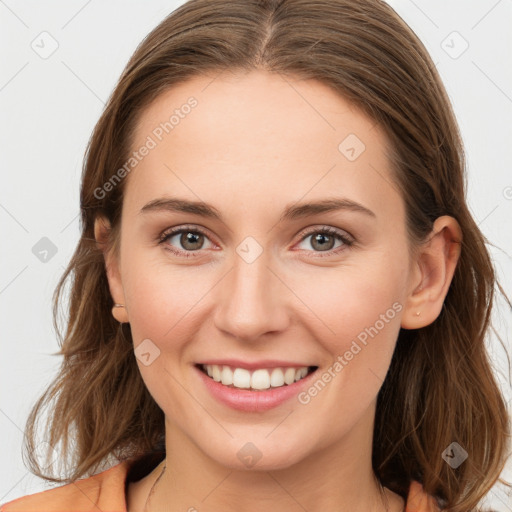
(106, 492)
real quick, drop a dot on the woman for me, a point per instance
(280, 298)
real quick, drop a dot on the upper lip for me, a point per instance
(252, 365)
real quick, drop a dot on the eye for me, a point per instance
(190, 239)
(325, 239)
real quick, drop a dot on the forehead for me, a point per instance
(256, 133)
(253, 108)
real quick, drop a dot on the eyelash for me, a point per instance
(348, 242)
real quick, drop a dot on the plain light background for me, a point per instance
(49, 104)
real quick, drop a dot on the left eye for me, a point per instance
(324, 239)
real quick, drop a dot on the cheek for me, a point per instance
(344, 301)
(360, 324)
(163, 302)
(360, 311)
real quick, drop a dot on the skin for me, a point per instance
(255, 143)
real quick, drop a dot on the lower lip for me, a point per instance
(253, 401)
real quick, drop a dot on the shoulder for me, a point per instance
(104, 491)
(419, 501)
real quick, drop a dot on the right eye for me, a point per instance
(190, 239)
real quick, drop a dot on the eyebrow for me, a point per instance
(291, 212)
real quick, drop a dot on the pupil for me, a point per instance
(320, 238)
(190, 238)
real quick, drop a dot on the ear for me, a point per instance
(432, 274)
(101, 234)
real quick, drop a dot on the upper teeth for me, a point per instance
(257, 379)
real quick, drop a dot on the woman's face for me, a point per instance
(256, 284)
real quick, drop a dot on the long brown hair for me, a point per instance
(440, 386)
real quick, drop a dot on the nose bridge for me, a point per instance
(250, 301)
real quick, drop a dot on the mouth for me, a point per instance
(258, 379)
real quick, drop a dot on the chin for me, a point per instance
(262, 455)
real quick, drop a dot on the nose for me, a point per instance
(252, 300)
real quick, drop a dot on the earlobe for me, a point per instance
(434, 269)
(101, 235)
(119, 313)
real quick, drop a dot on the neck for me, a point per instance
(336, 478)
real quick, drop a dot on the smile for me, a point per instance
(259, 379)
